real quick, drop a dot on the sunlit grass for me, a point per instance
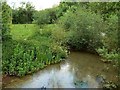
(22, 31)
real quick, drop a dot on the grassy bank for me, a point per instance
(22, 31)
(31, 49)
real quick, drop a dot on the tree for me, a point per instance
(106, 9)
(23, 14)
(6, 20)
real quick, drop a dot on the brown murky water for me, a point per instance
(79, 67)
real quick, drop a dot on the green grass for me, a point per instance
(31, 49)
(22, 31)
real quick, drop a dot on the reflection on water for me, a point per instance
(78, 71)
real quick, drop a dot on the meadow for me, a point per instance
(22, 31)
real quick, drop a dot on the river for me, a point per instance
(79, 70)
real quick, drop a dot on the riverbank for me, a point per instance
(79, 66)
(31, 49)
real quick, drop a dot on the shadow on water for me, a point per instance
(80, 70)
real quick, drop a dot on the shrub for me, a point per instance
(26, 58)
(110, 39)
(83, 30)
(47, 16)
(6, 21)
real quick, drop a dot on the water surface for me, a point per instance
(79, 70)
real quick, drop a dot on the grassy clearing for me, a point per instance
(22, 31)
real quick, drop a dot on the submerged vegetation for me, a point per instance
(71, 25)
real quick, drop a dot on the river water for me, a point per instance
(79, 70)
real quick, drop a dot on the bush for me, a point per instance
(25, 58)
(83, 30)
(47, 16)
(110, 39)
(6, 21)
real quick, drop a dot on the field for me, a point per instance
(22, 31)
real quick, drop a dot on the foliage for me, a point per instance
(50, 16)
(6, 21)
(95, 25)
(110, 39)
(113, 55)
(24, 14)
(26, 60)
(106, 9)
(53, 32)
(84, 29)
(47, 16)
(52, 38)
(33, 54)
(7, 52)
(42, 17)
(61, 9)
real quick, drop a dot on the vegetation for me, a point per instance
(47, 16)
(80, 26)
(32, 51)
(85, 27)
(22, 31)
(84, 31)
(24, 14)
(6, 21)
